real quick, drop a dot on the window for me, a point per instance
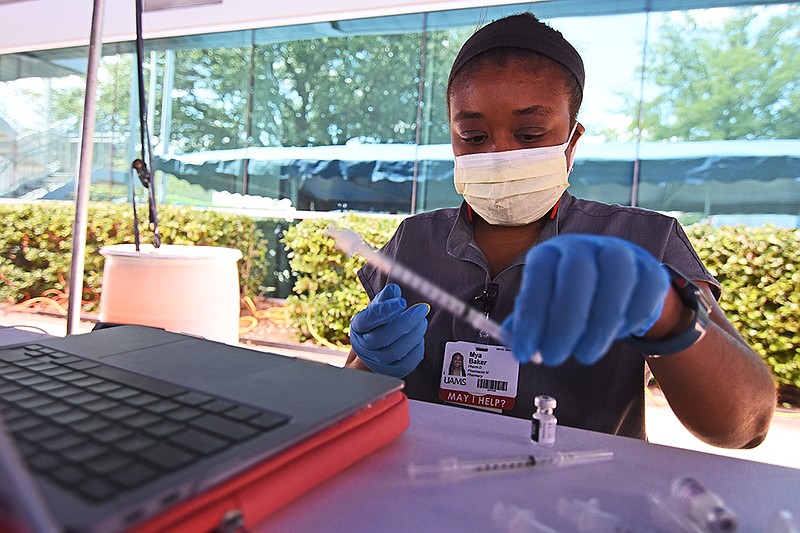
(350, 115)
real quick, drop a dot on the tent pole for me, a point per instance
(84, 178)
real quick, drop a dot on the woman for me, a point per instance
(594, 290)
(456, 365)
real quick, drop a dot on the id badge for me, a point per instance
(479, 375)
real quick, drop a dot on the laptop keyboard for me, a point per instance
(98, 430)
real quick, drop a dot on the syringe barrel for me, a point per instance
(452, 467)
(588, 517)
(514, 519)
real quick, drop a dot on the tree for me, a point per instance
(113, 96)
(312, 92)
(211, 94)
(307, 92)
(737, 81)
(326, 91)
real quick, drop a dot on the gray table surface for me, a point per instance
(376, 494)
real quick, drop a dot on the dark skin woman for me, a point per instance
(596, 293)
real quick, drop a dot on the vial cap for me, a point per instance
(545, 402)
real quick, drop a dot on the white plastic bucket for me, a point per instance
(186, 289)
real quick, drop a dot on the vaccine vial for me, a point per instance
(702, 506)
(543, 428)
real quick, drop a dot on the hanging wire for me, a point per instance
(141, 166)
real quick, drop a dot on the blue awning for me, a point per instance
(731, 176)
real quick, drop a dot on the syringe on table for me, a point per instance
(350, 243)
(452, 467)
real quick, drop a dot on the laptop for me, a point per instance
(117, 429)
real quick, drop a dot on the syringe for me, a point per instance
(669, 517)
(704, 507)
(515, 519)
(587, 517)
(452, 467)
(350, 243)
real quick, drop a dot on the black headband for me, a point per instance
(526, 32)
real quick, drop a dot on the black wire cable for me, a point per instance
(135, 218)
(139, 165)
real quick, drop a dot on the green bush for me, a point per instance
(36, 241)
(327, 292)
(759, 269)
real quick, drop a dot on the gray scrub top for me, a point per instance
(607, 396)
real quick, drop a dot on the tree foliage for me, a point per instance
(112, 99)
(309, 92)
(312, 92)
(36, 241)
(736, 81)
(209, 99)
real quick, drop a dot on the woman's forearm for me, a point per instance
(719, 388)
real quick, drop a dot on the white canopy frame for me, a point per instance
(83, 182)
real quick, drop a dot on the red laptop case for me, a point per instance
(250, 497)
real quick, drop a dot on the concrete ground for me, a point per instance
(781, 447)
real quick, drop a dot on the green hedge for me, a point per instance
(759, 269)
(36, 240)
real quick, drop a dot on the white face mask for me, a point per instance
(515, 187)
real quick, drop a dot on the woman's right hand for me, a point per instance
(388, 336)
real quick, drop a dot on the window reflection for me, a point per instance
(350, 115)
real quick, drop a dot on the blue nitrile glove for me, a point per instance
(579, 293)
(388, 337)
